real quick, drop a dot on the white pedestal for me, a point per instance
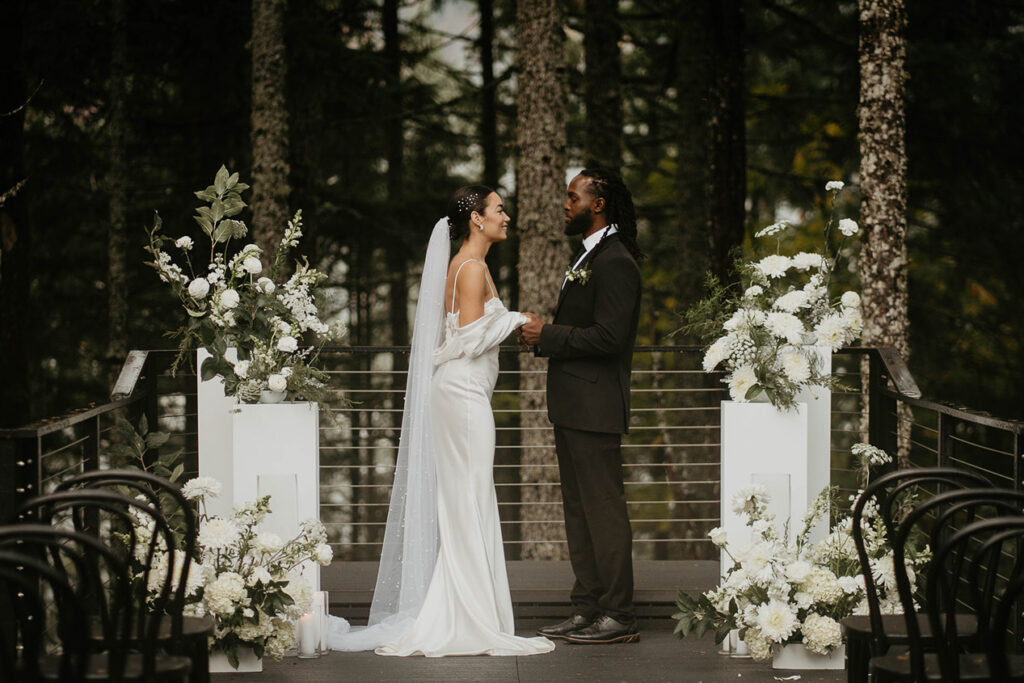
(796, 656)
(247, 662)
(215, 435)
(276, 452)
(786, 451)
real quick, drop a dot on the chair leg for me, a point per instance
(200, 654)
(858, 654)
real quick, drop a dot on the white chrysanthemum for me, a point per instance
(851, 584)
(324, 554)
(183, 243)
(744, 319)
(785, 326)
(201, 487)
(252, 265)
(772, 229)
(266, 285)
(791, 302)
(287, 344)
(224, 593)
(760, 526)
(854, 322)
(718, 536)
(777, 621)
(748, 498)
(277, 383)
(831, 331)
(198, 288)
(823, 586)
(795, 365)
(798, 571)
(268, 542)
(774, 265)
(217, 533)
(260, 575)
(229, 299)
(740, 382)
(848, 227)
(834, 185)
(883, 572)
(802, 599)
(821, 634)
(242, 369)
(850, 300)
(806, 260)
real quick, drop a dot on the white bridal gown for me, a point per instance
(467, 609)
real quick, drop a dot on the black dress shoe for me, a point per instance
(570, 625)
(606, 630)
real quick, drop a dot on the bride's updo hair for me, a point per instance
(461, 206)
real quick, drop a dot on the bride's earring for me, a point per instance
(480, 226)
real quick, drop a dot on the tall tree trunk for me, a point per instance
(397, 258)
(488, 96)
(540, 173)
(15, 233)
(117, 187)
(602, 85)
(270, 167)
(883, 180)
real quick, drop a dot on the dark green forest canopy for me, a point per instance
(187, 84)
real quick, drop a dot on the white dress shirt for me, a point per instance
(590, 242)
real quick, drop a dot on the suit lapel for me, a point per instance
(586, 261)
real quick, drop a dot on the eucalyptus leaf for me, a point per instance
(157, 439)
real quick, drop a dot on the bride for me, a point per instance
(442, 588)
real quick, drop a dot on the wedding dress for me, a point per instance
(466, 608)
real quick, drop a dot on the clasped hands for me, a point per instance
(529, 332)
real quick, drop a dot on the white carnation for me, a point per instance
(777, 621)
(229, 298)
(740, 382)
(199, 288)
(774, 265)
(218, 533)
(834, 185)
(183, 243)
(277, 383)
(287, 344)
(848, 227)
(201, 487)
(795, 365)
(791, 302)
(252, 265)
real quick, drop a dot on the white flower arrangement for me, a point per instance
(249, 581)
(232, 303)
(780, 591)
(763, 338)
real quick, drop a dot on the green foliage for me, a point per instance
(697, 615)
(135, 448)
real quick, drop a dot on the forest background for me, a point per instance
(111, 111)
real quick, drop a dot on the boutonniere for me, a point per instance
(578, 276)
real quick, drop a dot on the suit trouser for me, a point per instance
(596, 522)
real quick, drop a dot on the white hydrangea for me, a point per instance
(217, 533)
(776, 620)
(299, 590)
(740, 382)
(791, 302)
(823, 586)
(821, 634)
(848, 227)
(785, 326)
(774, 266)
(205, 487)
(199, 288)
(758, 645)
(795, 365)
(282, 640)
(225, 593)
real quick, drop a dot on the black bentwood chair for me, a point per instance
(991, 586)
(27, 585)
(872, 635)
(112, 519)
(180, 634)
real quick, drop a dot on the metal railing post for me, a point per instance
(882, 426)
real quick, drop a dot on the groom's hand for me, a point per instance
(531, 330)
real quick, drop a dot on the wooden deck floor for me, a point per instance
(540, 594)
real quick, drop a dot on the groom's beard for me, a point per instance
(579, 223)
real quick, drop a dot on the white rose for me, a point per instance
(269, 542)
(229, 298)
(718, 536)
(199, 288)
(287, 344)
(266, 285)
(277, 383)
(848, 227)
(183, 243)
(252, 265)
(324, 554)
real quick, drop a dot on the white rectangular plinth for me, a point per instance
(215, 435)
(279, 443)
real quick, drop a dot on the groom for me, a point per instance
(590, 344)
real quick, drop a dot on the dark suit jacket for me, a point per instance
(590, 343)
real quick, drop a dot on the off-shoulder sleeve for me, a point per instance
(481, 335)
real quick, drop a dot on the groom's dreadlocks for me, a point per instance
(618, 202)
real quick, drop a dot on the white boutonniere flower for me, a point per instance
(579, 276)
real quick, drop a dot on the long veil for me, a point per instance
(410, 538)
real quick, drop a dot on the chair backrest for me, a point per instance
(948, 512)
(24, 581)
(997, 586)
(887, 493)
(165, 496)
(117, 527)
